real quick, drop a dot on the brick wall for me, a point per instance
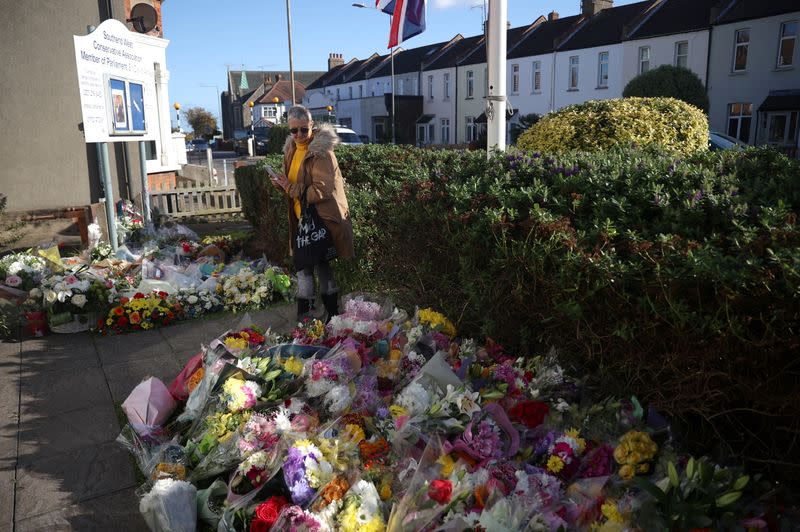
(161, 181)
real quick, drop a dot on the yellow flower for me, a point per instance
(386, 492)
(575, 434)
(293, 365)
(611, 512)
(235, 343)
(627, 472)
(353, 433)
(447, 465)
(397, 411)
(555, 464)
(437, 321)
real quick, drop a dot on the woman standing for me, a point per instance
(310, 167)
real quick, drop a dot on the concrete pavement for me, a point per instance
(60, 468)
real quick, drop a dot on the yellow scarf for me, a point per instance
(294, 168)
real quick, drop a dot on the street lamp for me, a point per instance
(361, 5)
(252, 119)
(177, 107)
(276, 100)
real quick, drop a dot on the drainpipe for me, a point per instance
(553, 84)
(455, 114)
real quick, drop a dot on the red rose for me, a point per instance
(138, 295)
(122, 321)
(267, 513)
(440, 491)
(163, 295)
(529, 413)
(123, 300)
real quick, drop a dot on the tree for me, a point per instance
(525, 123)
(669, 81)
(202, 122)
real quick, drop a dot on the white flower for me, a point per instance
(35, 293)
(414, 398)
(338, 398)
(50, 296)
(15, 267)
(192, 299)
(79, 300)
(562, 405)
(468, 402)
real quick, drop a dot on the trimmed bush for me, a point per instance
(265, 209)
(277, 138)
(671, 82)
(664, 123)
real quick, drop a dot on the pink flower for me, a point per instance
(13, 280)
(70, 279)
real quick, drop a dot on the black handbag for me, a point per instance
(313, 242)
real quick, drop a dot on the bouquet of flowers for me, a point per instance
(75, 295)
(362, 510)
(142, 312)
(244, 340)
(306, 470)
(224, 243)
(22, 271)
(248, 289)
(196, 303)
(361, 319)
(309, 332)
(330, 378)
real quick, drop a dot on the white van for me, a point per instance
(347, 136)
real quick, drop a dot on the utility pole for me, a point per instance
(496, 62)
(291, 66)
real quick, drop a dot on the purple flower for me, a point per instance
(382, 412)
(294, 474)
(598, 462)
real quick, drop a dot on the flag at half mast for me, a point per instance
(408, 18)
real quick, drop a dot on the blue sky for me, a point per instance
(208, 36)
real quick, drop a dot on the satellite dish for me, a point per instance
(143, 17)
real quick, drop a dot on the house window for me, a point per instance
(360, 90)
(446, 83)
(644, 59)
(346, 122)
(573, 73)
(445, 130)
(739, 117)
(379, 129)
(472, 131)
(338, 97)
(415, 87)
(740, 47)
(536, 76)
(782, 128)
(350, 92)
(485, 81)
(430, 87)
(786, 45)
(682, 54)
(401, 86)
(515, 79)
(602, 69)
(470, 84)
(269, 112)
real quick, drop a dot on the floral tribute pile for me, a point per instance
(381, 420)
(171, 278)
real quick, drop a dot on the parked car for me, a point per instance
(347, 136)
(721, 141)
(200, 145)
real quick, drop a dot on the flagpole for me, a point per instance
(394, 140)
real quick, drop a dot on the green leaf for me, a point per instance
(729, 498)
(741, 482)
(638, 411)
(652, 489)
(673, 475)
(690, 468)
(272, 375)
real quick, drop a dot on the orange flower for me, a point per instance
(195, 379)
(118, 311)
(333, 491)
(135, 317)
(481, 493)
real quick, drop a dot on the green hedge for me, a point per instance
(677, 279)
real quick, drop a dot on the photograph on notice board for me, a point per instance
(138, 124)
(119, 105)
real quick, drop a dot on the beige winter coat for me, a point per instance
(319, 172)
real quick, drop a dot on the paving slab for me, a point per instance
(122, 378)
(69, 431)
(124, 348)
(58, 352)
(9, 400)
(7, 493)
(54, 481)
(51, 393)
(118, 512)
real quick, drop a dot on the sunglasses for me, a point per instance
(303, 130)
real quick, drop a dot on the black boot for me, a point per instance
(331, 302)
(303, 308)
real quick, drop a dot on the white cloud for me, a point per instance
(445, 4)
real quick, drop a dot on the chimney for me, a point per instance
(553, 15)
(593, 7)
(334, 60)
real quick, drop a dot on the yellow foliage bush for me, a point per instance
(666, 123)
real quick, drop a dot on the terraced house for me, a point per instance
(745, 51)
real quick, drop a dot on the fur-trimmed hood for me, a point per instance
(325, 139)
